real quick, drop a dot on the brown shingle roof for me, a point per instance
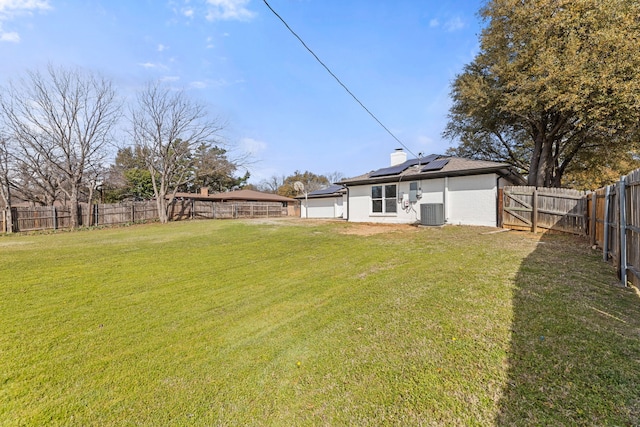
(456, 166)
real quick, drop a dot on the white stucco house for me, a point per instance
(431, 190)
(328, 202)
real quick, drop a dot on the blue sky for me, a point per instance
(397, 56)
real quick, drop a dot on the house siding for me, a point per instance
(472, 200)
(468, 200)
(326, 207)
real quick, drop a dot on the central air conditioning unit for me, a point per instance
(432, 214)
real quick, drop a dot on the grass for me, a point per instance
(306, 323)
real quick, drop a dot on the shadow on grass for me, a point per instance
(575, 341)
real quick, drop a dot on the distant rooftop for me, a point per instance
(330, 191)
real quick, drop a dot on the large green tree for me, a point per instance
(128, 177)
(206, 166)
(554, 81)
(213, 169)
(309, 180)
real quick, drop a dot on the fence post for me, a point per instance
(500, 207)
(623, 232)
(592, 225)
(605, 237)
(55, 217)
(534, 211)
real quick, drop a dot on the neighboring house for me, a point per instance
(237, 196)
(244, 196)
(432, 190)
(329, 202)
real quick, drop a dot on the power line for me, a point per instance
(336, 78)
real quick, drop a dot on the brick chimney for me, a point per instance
(204, 191)
(398, 157)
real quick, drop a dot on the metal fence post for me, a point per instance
(623, 232)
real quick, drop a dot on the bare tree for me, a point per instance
(167, 126)
(36, 180)
(63, 117)
(334, 177)
(272, 184)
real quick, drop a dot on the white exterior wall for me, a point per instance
(326, 207)
(468, 200)
(473, 200)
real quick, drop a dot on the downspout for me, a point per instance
(348, 203)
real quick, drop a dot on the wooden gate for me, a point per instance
(535, 209)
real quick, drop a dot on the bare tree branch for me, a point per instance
(168, 127)
(62, 120)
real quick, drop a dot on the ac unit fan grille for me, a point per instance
(432, 214)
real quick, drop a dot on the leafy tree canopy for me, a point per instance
(555, 87)
(128, 177)
(213, 169)
(284, 185)
(208, 167)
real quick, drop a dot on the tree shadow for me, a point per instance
(574, 357)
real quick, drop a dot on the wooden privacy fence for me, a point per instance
(609, 217)
(615, 214)
(59, 217)
(38, 218)
(203, 209)
(542, 209)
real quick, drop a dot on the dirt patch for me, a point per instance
(351, 228)
(369, 229)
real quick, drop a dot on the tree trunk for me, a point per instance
(73, 201)
(9, 219)
(161, 204)
(90, 206)
(6, 198)
(536, 157)
(545, 167)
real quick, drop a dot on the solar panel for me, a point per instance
(329, 190)
(429, 158)
(436, 165)
(395, 170)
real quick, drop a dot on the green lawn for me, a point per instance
(294, 323)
